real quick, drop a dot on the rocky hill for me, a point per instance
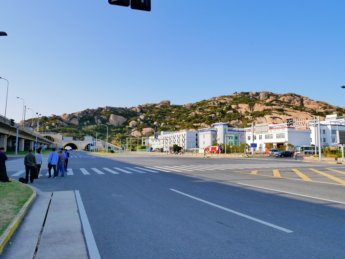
(239, 109)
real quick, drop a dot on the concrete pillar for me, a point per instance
(3, 141)
(32, 144)
(21, 144)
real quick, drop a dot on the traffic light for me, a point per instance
(119, 2)
(12, 122)
(289, 122)
(144, 5)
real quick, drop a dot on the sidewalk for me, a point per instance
(51, 229)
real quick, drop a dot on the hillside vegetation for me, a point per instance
(238, 109)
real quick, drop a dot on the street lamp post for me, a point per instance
(24, 110)
(8, 83)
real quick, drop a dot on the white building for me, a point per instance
(329, 131)
(187, 139)
(207, 137)
(262, 136)
(229, 135)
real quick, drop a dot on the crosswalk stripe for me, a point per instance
(337, 171)
(69, 171)
(97, 171)
(333, 178)
(162, 169)
(123, 170)
(135, 170)
(109, 170)
(84, 171)
(301, 175)
(276, 173)
(146, 169)
(254, 172)
(18, 173)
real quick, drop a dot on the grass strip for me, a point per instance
(13, 196)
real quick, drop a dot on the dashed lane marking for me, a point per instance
(97, 171)
(135, 170)
(122, 170)
(70, 171)
(146, 169)
(276, 173)
(84, 171)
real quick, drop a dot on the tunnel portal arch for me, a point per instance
(71, 145)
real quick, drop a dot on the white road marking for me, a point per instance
(84, 171)
(146, 169)
(292, 193)
(123, 170)
(97, 171)
(236, 212)
(69, 171)
(109, 170)
(18, 173)
(89, 238)
(135, 170)
(163, 169)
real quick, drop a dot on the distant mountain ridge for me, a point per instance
(238, 109)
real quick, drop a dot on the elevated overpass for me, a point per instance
(26, 137)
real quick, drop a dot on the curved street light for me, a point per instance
(2, 33)
(24, 110)
(8, 83)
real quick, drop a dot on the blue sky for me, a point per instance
(66, 56)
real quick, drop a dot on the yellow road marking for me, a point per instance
(301, 175)
(333, 178)
(254, 172)
(335, 170)
(276, 173)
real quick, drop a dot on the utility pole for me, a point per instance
(319, 127)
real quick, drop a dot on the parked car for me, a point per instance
(284, 154)
(274, 152)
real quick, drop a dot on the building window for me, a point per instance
(260, 136)
(334, 132)
(269, 136)
(280, 135)
(324, 140)
(333, 140)
(323, 131)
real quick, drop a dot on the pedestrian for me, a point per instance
(30, 167)
(61, 163)
(66, 159)
(38, 162)
(3, 171)
(53, 159)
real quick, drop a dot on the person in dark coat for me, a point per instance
(30, 167)
(3, 171)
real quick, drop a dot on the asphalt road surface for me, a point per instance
(176, 207)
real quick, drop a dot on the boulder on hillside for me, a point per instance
(74, 121)
(142, 117)
(148, 131)
(116, 120)
(164, 103)
(133, 124)
(65, 117)
(136, 133)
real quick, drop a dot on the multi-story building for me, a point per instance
(187, 139)
(207, 137)
(329, 131)
(229, 135)
(263, 136)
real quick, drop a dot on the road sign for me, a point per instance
(253, 145)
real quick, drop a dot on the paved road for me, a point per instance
(175, 207)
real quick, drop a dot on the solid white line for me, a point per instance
(135, 170)
(89, 238)
(146, 169)
(292, 193)
(97, 171)
(123, 170)
(18, 173)
(235, 212)
(69, 171)
(109, 170)
(84, 171)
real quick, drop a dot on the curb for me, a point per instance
(6, 236)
